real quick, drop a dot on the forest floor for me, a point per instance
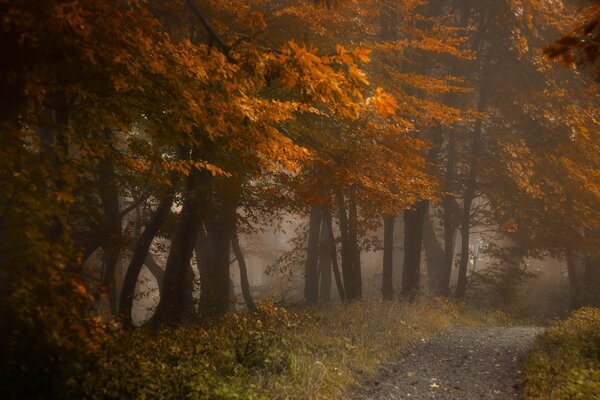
(465, 363)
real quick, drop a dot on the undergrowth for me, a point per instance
(273, 354)
(565, 360)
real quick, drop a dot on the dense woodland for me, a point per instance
(472, 124)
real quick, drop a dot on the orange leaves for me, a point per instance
(384, 104)
(322, 79)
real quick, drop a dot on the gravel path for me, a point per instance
(461, 364)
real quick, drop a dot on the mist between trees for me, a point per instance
(163, 163)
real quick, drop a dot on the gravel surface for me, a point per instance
(463, 363)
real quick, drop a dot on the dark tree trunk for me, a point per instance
(449, 245)
(413, 240)
(215, 283)
(573, 281)
(434, 254)
(311, 271)
(112, 238)
(138, 258)
(387, 282)
(325, 267)
(354, 247)
(176, 291)
(592, 281)
(336, 271)
(235, 244)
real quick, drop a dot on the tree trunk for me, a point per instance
(449, 245)
(434, 254)
(336, 271)
(311, 271)
(592, 281)
(215, 283)
(235, 244)
(325, 267)
(138, 258)
(347, 257)
(573, 281)
(111, 234)
(387, 283)
(469, 196)
(354, 246)
(414, 220)
(173, 304)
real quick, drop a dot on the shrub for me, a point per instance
(565, 360)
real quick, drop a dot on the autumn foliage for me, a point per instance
(205, 118)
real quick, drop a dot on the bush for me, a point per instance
(565, 361)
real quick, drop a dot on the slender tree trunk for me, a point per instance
(413, 240)
(434, 254)
(449, 245)
(469, 196)
(573, 281)
(347, 259)
(336, 271)
(325, 267)
(387, 283)
(138, 258)
(311, 271)
(354, 246)
(173, 304)
(112, 238)
(592, 281)
(235, 244)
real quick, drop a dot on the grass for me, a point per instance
(274, 354)
(564, 362)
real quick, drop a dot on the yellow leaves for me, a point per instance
(384, 104)
(358, 53)
(357, 74)
(185, 166)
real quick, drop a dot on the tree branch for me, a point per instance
(212, 35)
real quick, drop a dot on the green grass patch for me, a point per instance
(565, 360)
(273, 354)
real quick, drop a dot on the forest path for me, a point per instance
(463, 363)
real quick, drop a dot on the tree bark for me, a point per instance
(434, 254)
(413, 240)
(325, 267)
(235, 244)
(573, 281)
(336, 271)
(173, 304)
(387, 283)
(138, 259)
(354, 246)
(215, 283)
(592, 281)
(347, 258)
(469, 196)
(112, 238)
(311, 271)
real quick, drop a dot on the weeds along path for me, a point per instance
(463, 363)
